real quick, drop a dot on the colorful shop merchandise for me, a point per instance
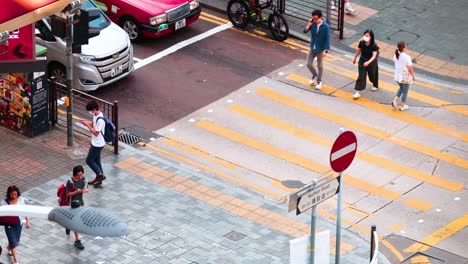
(23, 102)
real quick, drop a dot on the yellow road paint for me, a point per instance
(366, 231)
(324, 141)
(211, 20)
(394, 88)
(198, 153)
(395, 228)
(217, 172)
(454, 91)
(358, 126)
(420, 259)
(418, 83)
(439, 235)
(219, 199)
(461, 109)
(223, 20)
(387, 110)
(131, 162)
(420, 205)
(294, 158)
(180, 141)
(60, 111)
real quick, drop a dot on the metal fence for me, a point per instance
(58, 110)
(302, 9)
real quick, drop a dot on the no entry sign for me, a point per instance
(343, 151)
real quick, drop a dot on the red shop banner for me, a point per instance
(20, 46)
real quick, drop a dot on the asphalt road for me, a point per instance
(174, 86)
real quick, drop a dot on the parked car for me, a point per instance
(151, 18)
(107, 58)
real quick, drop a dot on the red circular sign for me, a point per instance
(343, 151)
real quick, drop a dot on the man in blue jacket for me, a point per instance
(319, 45)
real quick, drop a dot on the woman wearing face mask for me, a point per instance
(367, 64)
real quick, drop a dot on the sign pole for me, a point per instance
(338, 217)
(69, 80)
(312, 227)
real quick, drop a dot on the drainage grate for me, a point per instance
(129, 138)
(234, 236)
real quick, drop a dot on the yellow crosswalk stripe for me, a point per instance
(405, 116)
(418, 83)
(368, 157)
(439, 235)
(199, 153)
(294, 158)
(364, 128)
(394, 88)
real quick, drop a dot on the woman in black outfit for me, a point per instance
(367, 64)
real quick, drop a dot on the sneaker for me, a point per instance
(350, 10)
(374, 88)
(312, 81)
(405, 107)
(356, 95)
(333, 7)
(78, 244)
(67, 231)
(318, 86)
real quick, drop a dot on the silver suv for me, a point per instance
(107, 58)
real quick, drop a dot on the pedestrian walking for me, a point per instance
(13, 232)
(367, 65)
(96, 127)
(348, 8)
(319, 46)
(75, 189)
(404, 75)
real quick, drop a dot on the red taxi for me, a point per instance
(150, 18)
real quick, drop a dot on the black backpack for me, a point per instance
(109, 130)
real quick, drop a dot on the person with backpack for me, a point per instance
(97, 129)
(368, 64)
(74, 194)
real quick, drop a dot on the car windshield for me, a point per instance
(101, 22)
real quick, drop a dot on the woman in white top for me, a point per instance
(13, 232)
(404, 75)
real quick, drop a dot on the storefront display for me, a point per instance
(24, 102)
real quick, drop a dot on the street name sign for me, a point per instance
(343, 151)
(315, 196)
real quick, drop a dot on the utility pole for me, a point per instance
(69, 69)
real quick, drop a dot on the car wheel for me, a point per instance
(58, 73)
(132, 28)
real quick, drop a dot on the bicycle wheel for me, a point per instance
(238, 12)
(278, 26)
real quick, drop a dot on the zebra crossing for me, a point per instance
(408, 177)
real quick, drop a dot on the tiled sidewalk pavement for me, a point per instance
(29, 162)
(175, 215)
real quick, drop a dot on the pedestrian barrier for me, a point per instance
(58, 109)
(302, 10)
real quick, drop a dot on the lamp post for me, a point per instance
(69, 70)
(69, 11)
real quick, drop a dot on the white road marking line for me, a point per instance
(180, 45)
(344, 151)
(136, 59)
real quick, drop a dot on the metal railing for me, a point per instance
(58, 110)
(302, 10)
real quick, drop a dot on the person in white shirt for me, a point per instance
(97, 141)
(404, 75)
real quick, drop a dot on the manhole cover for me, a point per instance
(77, 153)
(129, 138)
(234, 236)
